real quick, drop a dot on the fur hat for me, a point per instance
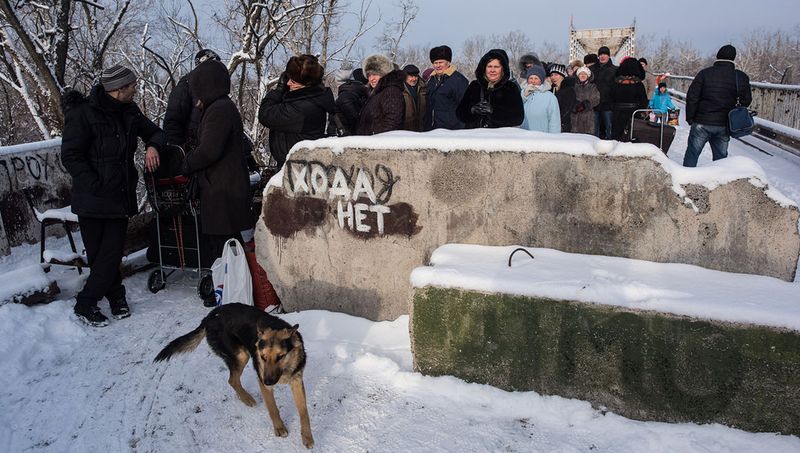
(116, 77)
(205, 54)
(590, 59)
(726, 52)
(377, 64)
(576, 63)
(305, 70)
(584, 69)
(441, 53)
(530, 59)
(536, 70)
(604, 51)
(557, 68)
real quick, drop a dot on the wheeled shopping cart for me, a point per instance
(178, 241)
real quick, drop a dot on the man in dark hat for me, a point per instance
(415, 96)
(649, 79)
(446, 86)
(101, 134)
(604, 72)
(182, 116)
(713, 93)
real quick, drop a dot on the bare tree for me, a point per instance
(395, 31)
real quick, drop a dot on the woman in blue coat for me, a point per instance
(541, 106)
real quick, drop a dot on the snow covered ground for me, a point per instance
(65, 387)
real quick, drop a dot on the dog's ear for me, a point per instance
(294, 329)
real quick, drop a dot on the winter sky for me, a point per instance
(707, 24)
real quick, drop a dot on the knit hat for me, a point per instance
(558, 68)
(441, 53)
(116, 77)
(726, 52)
(205, 54)
(305, 70)
(590, 59)
(535, 70)
(377, 64)
(358, 76)
(662, 84)
(584, 69)
(410, 69)
(604, 51)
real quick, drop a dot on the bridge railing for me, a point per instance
(777, 103)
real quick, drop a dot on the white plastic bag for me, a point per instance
(231, 275)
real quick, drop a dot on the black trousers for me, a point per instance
(104, 240)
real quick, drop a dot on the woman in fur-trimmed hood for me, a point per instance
(385, 107)
(492, 100)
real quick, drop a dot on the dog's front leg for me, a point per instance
(272, 408)
(299, 392)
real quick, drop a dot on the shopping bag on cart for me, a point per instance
(231, 276)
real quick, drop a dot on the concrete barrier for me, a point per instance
(649, 341)
(35, 166)
(348, 219)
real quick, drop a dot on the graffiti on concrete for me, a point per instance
(23, 170)
(358, 199)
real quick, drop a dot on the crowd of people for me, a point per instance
(101, 131)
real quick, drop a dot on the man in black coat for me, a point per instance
(352, 96)
(446, 87)
(297, 108)
(97, 149)
(604, 73)
(182, 116)
(713, 93)
(219, 160)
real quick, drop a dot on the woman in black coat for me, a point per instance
(628, 94)
(492, 100)
(219, 160)
(297, 108)
(384, 110)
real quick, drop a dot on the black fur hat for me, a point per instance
(441, 53)
(530, 59)
(590, 59)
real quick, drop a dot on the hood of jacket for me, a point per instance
(210, 81)
(494, 54)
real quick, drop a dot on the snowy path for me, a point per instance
(70, 388)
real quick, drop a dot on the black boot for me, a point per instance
(119, 307)
(90, 315)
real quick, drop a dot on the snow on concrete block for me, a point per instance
(347, 219)
(648, 341)
(28, 285)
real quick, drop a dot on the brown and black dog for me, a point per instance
(237, 332)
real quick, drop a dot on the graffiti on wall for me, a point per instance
(358, 198)
(23, 170)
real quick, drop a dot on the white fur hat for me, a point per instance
(584, 69)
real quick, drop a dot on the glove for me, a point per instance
(529, 89)
(482, 108)
(283, 80)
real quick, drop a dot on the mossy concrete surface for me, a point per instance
(642, 365)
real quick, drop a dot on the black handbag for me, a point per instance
(740, 121)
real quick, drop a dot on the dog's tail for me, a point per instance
(184, 343)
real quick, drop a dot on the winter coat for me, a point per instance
(415, 106)
(586, 93)
(541, 110)
(97, 149)
(351, 99)
(507, 110)
(604, 75)
(566, 102)
(712, 94)
(293, 116)
(218, 161)
(628, 95)
(444, 94)
(385, 108)
(650, 84)
(661, 102)
(182, 116)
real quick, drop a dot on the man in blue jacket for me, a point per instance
(712, 94)
(446, 87)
